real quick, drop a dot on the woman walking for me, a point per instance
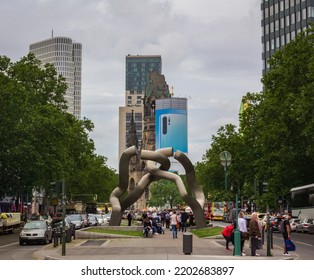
(173, 223)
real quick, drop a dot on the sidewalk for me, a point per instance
(160, 247)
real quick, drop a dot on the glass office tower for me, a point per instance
(281, 21)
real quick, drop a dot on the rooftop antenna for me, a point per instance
(51, 33)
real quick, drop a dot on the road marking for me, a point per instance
(303, 243)
(8, 245)
(297, 242)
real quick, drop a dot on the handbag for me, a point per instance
(289, 245)
(259, 244)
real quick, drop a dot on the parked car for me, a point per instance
(36, 231)
(275, 223)
(294, 223)
(93, 221)
(311, 229)
(77, 220)
(304, 225)
(57, 225)
(107, 218)
(100, 218)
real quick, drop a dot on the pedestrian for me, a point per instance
(191, 218)
(147, 226)
(286, 232)
(184, 219)
(130, 217)
(167, 217)
(226, 233)
(243, 230)
(173, 223)
(163, 217)
(255, 233)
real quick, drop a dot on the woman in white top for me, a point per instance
(243, 229)
(173, 223)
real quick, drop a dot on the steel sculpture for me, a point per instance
(120, 201)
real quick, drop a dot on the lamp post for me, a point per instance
(225, 161)
(237, 234)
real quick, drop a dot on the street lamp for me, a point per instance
(237, 234)
(225, 161)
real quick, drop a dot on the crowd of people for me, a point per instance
(253, 231)
(155, 222)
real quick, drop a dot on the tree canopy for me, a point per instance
(40, 141)
(274, 142)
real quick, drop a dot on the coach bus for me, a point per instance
(302, 201)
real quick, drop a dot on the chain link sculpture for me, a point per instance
(120, 200)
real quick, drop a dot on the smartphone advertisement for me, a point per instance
(171, 124)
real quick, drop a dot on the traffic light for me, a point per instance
(57, 186)
(262, 188)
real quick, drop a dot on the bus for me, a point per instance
(302, 201)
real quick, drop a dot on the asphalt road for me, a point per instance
(10, 248)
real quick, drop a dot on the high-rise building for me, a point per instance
(137, 71)
(66, 56)
(281, 21)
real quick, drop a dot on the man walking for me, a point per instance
(286, 232)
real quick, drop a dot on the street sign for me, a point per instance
(225, 158)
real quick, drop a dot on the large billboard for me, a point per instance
(171, 124)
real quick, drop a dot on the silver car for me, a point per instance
(36, 231)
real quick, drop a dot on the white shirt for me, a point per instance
(242, 225)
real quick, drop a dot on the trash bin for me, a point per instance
(187, 243)
(68, 235)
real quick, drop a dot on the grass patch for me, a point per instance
(206, 232)
(112, 231)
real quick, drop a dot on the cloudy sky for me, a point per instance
(211, 54)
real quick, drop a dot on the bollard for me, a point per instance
(187, 243)
(68, 235)
(55, 238)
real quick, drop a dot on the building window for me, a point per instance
(303, 13)
(272, 44)
(287, 38)
(277, 42)
(292, 19)
(310, 11)
(282, 23)
(287, 21)
(271, 27)
(281, 6)
(277, 25)
(282, 39)
(276, 8)
(292, 35)
(266, 13)
(267, 29)
(298, 16)
(287, 4)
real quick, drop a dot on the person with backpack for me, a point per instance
(286, 232)
(227, 234)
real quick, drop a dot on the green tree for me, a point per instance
(163, 192)
(40, 141)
